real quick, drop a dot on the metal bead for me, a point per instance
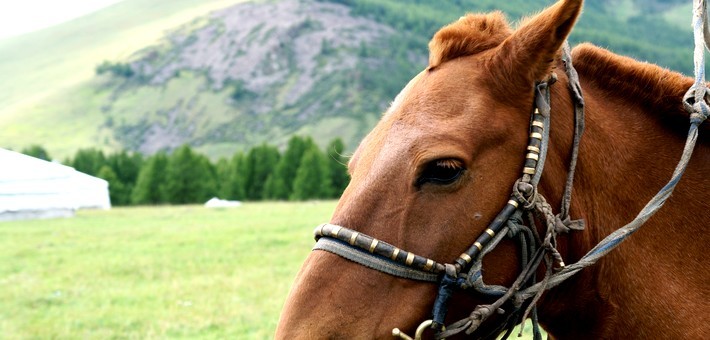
(353, 238)
(373, 245)
(395, 252)
(335, 230)
(410, 259)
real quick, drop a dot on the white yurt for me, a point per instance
(34, 188)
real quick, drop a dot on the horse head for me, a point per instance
(432, 174)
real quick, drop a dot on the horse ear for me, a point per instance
(528, 54)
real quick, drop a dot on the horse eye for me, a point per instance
(441, 171)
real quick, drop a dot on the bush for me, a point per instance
(116, 69)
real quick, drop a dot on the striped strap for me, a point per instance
(373, 261)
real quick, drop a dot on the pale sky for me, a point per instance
(24, 16)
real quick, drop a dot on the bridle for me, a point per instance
(465, 271)
(518, 218)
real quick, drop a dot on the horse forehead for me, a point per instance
(436, 106)
(391, 145)
(399, 144)
(439, 94)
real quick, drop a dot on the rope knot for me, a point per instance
(480, 314)
(514, 227)
(695, 103)
(525, 193)
(518, 300)
(567, 224)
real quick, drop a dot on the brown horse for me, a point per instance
(469, 111)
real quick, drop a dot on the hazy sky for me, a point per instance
(23, 16)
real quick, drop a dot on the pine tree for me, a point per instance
(236, 181)
(151, 178)
(260, 162)
(223, 171)
(116, 189)
(37, 151)
(209, 183)
(312, 177)
(279, 184)
(338, 169)
(189, 177)
(275, 188)
(126, 167)
(88, 161)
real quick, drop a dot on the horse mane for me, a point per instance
(654, 88)
(471, 34)
(650, 86)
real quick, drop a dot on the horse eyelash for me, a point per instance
(449, 163)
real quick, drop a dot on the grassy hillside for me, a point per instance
(45, 61)
(48, 94)
(260, 71)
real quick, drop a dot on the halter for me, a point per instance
(521, 298)
(465, 271)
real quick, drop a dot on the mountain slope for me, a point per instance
(261, 71)
(245, 74)
(42, 61)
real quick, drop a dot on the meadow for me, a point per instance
(154, 272)
(165, 272)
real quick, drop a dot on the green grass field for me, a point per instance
(168, 272)
(147, 273)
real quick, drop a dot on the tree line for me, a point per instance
(302, 172)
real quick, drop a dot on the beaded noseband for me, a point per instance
(362, 248)
(382, 256)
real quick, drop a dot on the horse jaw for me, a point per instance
(336, 299)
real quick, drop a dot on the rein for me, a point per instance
(525, 204)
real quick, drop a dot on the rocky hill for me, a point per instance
(246, 74)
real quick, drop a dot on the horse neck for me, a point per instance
(627, 154)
